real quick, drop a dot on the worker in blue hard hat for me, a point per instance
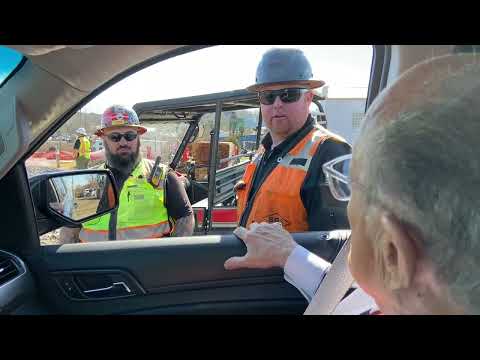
(285, 183)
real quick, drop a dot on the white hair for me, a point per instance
(424, 167)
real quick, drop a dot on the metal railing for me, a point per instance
(226, 179)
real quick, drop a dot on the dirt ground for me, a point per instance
(86, 207)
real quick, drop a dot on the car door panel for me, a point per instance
(179, 275)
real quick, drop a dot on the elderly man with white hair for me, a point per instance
(414, 209)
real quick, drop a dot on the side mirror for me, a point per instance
(71, 198)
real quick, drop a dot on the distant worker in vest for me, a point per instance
(153, 202)
(284, 183)
(82, 149)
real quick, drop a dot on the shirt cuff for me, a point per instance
(305, 271)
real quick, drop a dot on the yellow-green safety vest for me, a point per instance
(141, 213)
(84, 150)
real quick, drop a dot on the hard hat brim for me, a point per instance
(309, 84)
(140, 129)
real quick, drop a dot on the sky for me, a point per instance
(9, 59)
(344, 68)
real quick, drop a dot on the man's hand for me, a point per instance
(268, 245)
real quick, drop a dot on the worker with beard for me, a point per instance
(149, 206)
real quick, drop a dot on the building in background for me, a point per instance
(344, 116)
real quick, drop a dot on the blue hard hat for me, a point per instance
(280, 66)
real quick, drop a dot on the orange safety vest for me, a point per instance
(278, 198)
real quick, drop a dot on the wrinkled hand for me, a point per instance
(268, 245)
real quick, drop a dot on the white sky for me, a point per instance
(345, 69)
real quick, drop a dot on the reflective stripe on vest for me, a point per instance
(141, 213)
(132, 233)
(242, 194)
(278, 198)
(84, 150)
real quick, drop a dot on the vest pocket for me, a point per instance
(142, 203)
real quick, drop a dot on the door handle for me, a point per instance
(108, 289)
(98, 284)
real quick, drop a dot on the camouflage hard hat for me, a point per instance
(119, 115)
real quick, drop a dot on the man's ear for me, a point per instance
(309, 97)
(399, 254)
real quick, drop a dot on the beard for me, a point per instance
(123, 163)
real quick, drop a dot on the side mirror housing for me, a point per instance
(72, 197)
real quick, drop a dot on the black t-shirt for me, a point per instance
(76, 146)
(323, 211)
(178, 204)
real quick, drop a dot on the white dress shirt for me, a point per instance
(305, 271)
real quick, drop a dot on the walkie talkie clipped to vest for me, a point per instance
(156, 173)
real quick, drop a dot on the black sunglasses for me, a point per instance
(116, 137)
(289, 95)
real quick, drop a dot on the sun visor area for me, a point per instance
(36, 50)
(14, 133)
